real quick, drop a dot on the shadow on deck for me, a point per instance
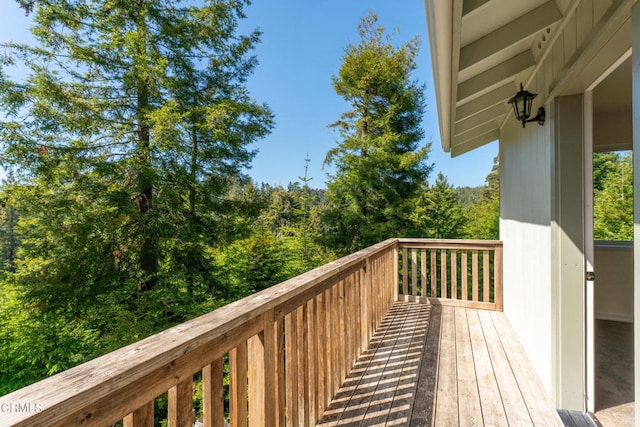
(441, 365)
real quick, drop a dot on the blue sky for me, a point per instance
(302, 46)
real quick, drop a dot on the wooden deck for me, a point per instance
(445, 366)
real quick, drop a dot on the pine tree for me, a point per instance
(379, 164)
(131, 123)
(484, 217)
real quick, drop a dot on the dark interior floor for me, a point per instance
(614, 373)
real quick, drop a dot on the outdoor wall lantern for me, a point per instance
(522, 107)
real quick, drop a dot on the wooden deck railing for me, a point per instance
(455, 272)
(289, 347)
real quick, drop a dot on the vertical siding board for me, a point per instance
(584, 21)
(557, 55)
(600, 7)
(570, 37)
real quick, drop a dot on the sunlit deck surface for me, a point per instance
(442, 365)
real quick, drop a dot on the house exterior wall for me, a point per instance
(525, 212)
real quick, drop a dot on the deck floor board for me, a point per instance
(431, 365)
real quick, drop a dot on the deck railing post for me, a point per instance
(497, 278)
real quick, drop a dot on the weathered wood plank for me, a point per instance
(446, 413)
(493, 412)
(540, 409)
(443, 273)
(424, 407)
(511, 397)
(468, 398)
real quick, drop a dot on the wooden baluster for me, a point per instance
(434, 280)
(238, 385)
(321, 350)
(464, 280)
(328, 349)
(309, 350)
(291, 366)
(141, 417)
(486, 285)
(256, 380)
(443, 272)
(474, 274)
(454, 274)
(405, 272)
(303, 385)
(423, 271)
(212, 395)
(180, 405)
(414, 272)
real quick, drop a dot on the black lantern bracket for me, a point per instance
(521, 103)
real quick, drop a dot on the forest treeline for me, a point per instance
(127, 209)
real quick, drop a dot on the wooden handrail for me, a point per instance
(292, 344)
(466, 273)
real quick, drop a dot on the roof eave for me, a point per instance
(439, 26)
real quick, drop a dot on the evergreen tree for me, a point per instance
(484, 217)
(379, 164)
(132, 122)
(439, 212)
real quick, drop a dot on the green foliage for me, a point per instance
(439, 213)
(613, 196)
(126, 135)
(484, 216)
(379, 165)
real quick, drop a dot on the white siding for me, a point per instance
(525, 159)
